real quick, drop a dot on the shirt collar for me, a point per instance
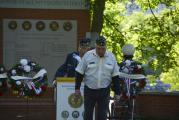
(105, 55)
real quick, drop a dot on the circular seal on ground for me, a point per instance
(75, 103)
(12, 25)
(40, 26)
(54, 26)
(67, 26)
(26, 25)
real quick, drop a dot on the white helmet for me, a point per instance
(128, 49)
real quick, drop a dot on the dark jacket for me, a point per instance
(132, 67)
(68, 68)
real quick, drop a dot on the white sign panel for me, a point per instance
(46, 42)
(45, 4)
(67, 108)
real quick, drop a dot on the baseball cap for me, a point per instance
(85, 42)
(101, 41)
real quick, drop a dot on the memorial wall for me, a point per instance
(42, 31)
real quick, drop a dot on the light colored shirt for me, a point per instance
(98, 71)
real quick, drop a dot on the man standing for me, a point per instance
(131, 72)
(133, 77)
(68, 68)
(97, 69)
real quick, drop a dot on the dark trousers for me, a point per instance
(93, 96)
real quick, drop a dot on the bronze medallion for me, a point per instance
(26, 25)
(12, 25)
(40, 26)
(67, 26)
(73, 103)
(54, 26)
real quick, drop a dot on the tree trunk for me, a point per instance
(97, 21)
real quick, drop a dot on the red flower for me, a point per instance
(38, 95)
(142, 84)
(137, 70)
(43, 88)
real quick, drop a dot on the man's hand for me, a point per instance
(54, 83)
(77, 95)
(117, 97)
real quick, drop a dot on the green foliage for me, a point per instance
(153, 35)
(161, 36)
(153, 3)
(111, 29)
(172, 77)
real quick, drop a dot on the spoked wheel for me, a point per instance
(131, 113)
(122, 110)
(119, 110)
